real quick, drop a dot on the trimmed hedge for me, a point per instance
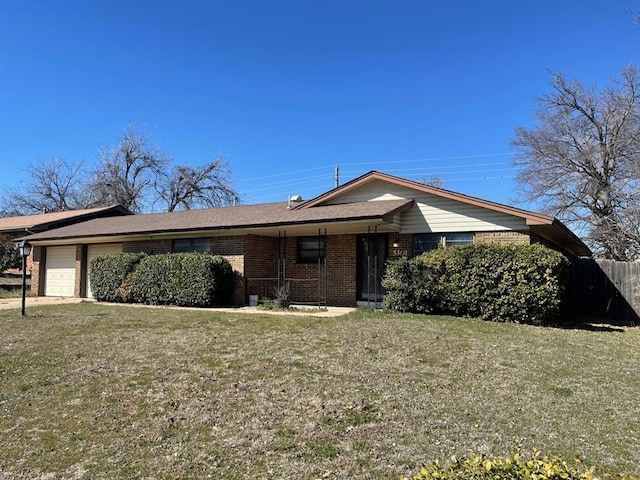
(110, 276)
(503, 283)
(182, 279)
(514, 467)
(411, 286)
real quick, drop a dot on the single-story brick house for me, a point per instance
(19, 226)
(330, 250)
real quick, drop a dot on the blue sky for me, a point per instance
(287, 90)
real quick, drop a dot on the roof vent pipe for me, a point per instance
(295, 199)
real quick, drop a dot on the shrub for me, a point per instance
(410, 287)
(9, 255)
(513, 467)
(504, 283)
(110, 276)
(183, 279)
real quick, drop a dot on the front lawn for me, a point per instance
(95, 391)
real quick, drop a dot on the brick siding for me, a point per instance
(232, 248)
(261, 262)
(404, 246)
(307, 278)
(37, 266)
(512, 237)
(341, 267)
(79, 274)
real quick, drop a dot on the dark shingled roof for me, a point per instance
(43, 221)
(222, 218)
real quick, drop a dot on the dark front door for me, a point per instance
(372, 255)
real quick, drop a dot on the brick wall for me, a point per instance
(79, 276)
(228, 245)
(304, 276)
(513, 237)
(232, 248)
(341, 267)
(400, 245)
(261, 262)
(340, 270)
(37, 267)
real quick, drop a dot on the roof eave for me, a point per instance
(379, 218)
(531, 218)
(560, 235)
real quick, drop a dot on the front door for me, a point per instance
(372, 255)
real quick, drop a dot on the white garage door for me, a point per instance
(61, 271)
(93, 251)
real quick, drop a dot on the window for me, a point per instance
(425, 242)
(457, 239)
(202, 245)
(310, 249)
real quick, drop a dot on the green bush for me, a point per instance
(9, 255)
(504, 283)
(110, 276)
(513, 467)
(410, 287)
(183, 279)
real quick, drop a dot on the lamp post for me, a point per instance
(25, 249)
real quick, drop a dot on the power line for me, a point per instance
(386, 162)
(322, 186)
(273, 186)
(432, 159)
(295, 180)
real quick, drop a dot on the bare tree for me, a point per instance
(128, 173)
(54, 185)
(131, 174)
(582, 160)
(432, 180)
(188, 187)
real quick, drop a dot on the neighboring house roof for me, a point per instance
(269, 215)
(46, 221)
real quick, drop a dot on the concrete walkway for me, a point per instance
(9, 303)
(299, 310)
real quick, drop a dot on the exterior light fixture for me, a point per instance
(24, 248)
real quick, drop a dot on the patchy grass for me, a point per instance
(95, 391)
(13, 293)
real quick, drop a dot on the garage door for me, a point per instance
(93, 251)
(61, 271)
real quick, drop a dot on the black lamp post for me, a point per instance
(25, 250)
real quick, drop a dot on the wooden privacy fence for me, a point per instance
(606, 289)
